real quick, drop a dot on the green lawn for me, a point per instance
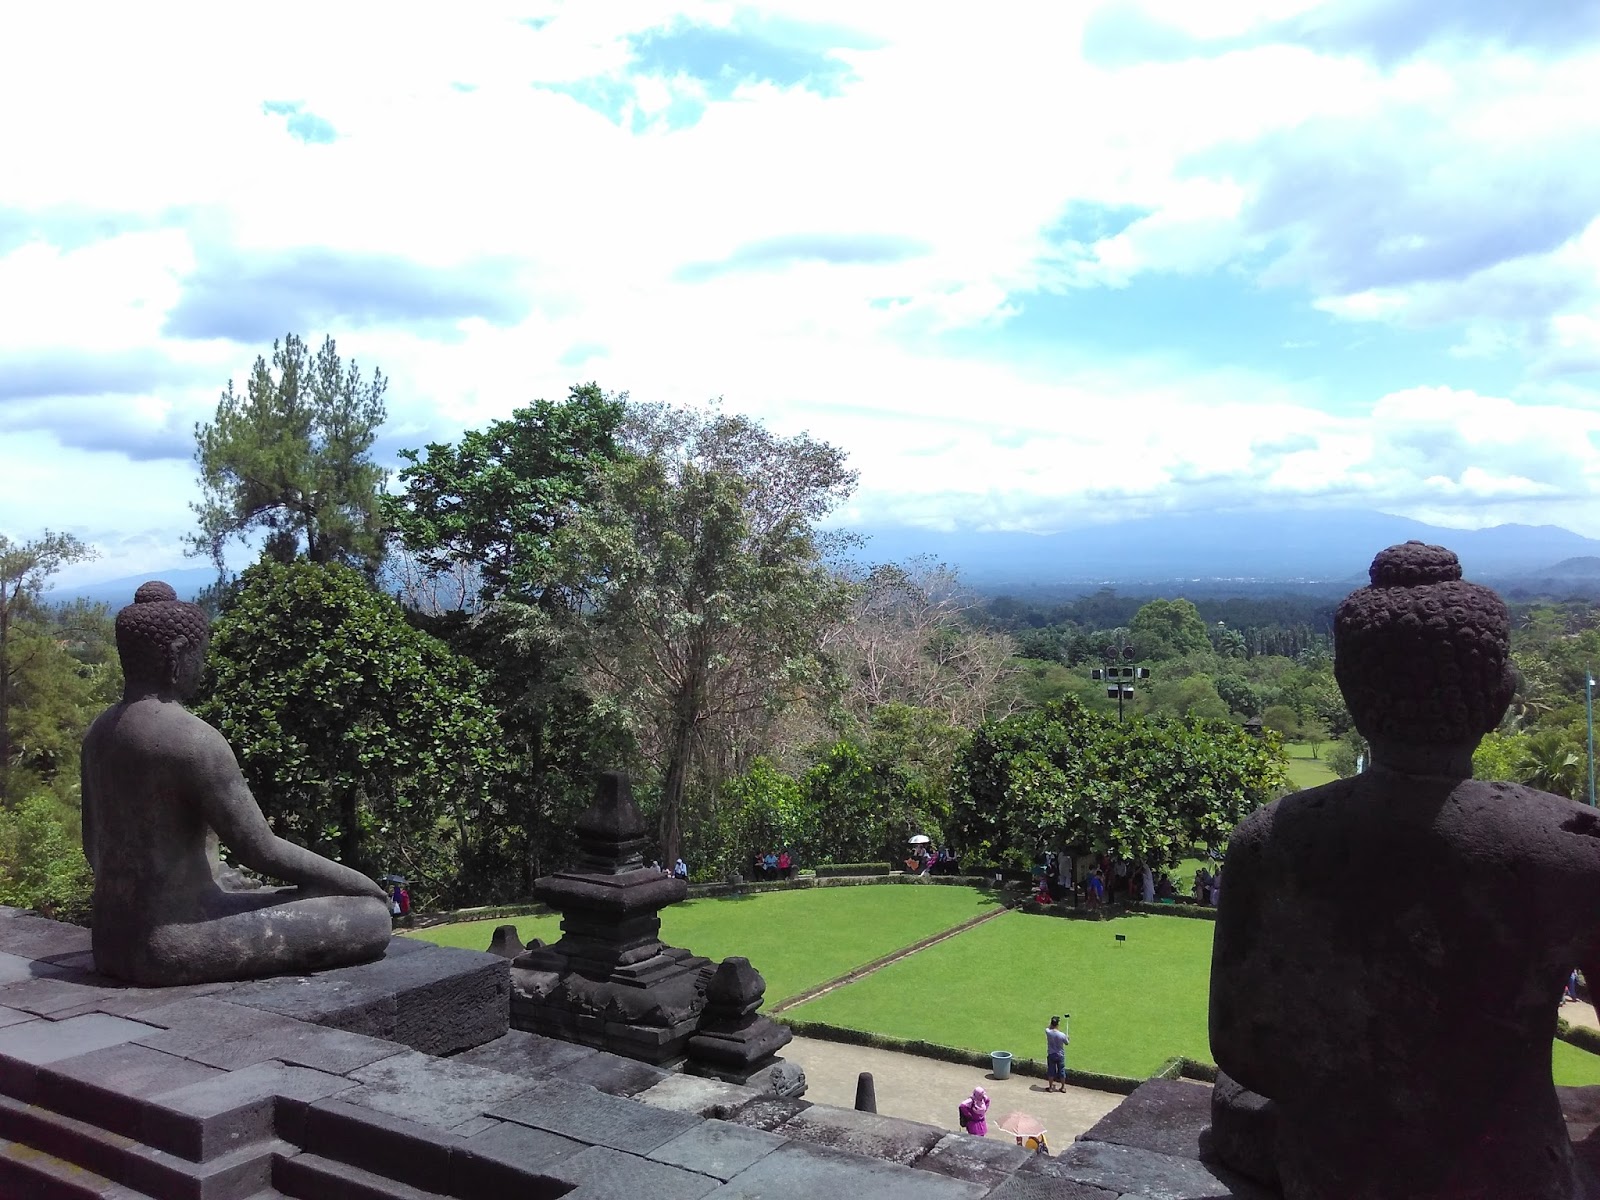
(1133, 1004)
(796, 939)
(1305, 771)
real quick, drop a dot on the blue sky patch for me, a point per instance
(723, 59)
(304, 126)
(787, 249)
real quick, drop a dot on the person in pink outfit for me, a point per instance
(975, 1113)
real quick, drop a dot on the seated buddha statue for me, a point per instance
(160, 787)
(1391, 949)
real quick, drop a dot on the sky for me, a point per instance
(1031, 265)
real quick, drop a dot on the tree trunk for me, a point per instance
(672, 786)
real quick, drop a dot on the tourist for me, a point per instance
(1571, 993)
(1055, 1058)
(1216, 886)
(680, 870)
(1202, 886)
(769, 865)
(1147, 884)
(784, 864)
(974, 1113)
(1097, 889)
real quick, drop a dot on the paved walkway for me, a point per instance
(924, 1089)
(1580, 1012)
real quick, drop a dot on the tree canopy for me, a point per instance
(291, 456)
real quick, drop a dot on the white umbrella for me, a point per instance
(918, 839)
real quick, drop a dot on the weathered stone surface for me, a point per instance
(976, 1159)
(1580, 1110)
(599, 1171)
(31, 937)
(612, 1074)
(692, 1094)
(505, 942)
(314, 1175)
(438, 1001)
(430, 1091)
(530, 1055)
(25, 1047)
(769, 1112)
(381, 1142)
(158, 782)
(1402, 1031)
(44, 995)
(234, 1108)
(108, 1086)
(10, 1016)
(888, 1138)
(1127, 1171)
(501, 1160)
(1039, 1187)
(590, 1116)
(1164, 1115)
(718, 1148)
(798, 1169)
(26, 1172)
(1243, 1133)
(273, 1037)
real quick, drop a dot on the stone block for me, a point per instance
(239, 1173)
(1040, 1187)
(718, 1148)
(1128, 1171)
(212, 1032)
(799, 1169)
(530, 1055)
(90, 1147)
(234, 1108)
(438, 1000)
(10, 1016)
(768, 1112)
(988, 1161)
(601, 1173)
(43, 995)
(109, 1086)
(26, 1172)
(374, 1141)
(136, 1001)
(26, 1047)
(693, 1094)
(593, 1117)
(610, 1073)
(888, 1138)
(1164, 1115)
(35, 937)
(1580, 1109)
(314, 1175)
(506, 1160)
(16, 969)
(438, 1092)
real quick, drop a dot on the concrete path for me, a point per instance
(1580, 1012)
(924, 1089)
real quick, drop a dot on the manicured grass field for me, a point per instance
(1133, 1004)
(796, 939)
(1305, 771)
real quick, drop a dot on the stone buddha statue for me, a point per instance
(1391, 949)
(160, 786)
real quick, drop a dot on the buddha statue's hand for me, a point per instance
(335, 879)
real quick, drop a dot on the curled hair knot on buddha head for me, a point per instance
(1422, 656)
(157, 633)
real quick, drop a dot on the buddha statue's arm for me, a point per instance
(233, 813)
(1234, 1040)
(91, 816)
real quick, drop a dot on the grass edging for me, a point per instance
(1580, 1036)
(1032, 1067)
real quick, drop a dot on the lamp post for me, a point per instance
(1588, 711)
(1119, 679)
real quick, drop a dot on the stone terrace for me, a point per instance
(399, 1080)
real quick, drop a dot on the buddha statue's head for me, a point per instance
(161, 641)
(1423, 657)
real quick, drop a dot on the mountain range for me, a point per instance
(1317, 550)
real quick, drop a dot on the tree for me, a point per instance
(291, 456)
(476, 522)
(1164, 629)
(24, 569)
(361, 737)
(1063, 777)
(703, 587)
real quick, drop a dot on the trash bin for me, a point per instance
(1001, 1060)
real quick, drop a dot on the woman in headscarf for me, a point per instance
(975, 1113)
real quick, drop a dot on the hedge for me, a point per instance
(1197, 912)
(1580, 1036)
(879, 868)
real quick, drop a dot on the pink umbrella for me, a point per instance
(1020, 1124)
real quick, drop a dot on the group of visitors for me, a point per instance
(1114, 880)
(680, 869)
(931, 860)
(1208, 886)
(775, 864)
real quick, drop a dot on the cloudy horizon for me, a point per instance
(1068, 263)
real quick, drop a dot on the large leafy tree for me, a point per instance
(1164, 629)
(476, 521)
(362, 737)
(291, 457)
(1061, 776)
(31, 659)
(704, 588)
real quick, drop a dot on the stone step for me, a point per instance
(313, 1177)
(144, 1169)
(29, 1174)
